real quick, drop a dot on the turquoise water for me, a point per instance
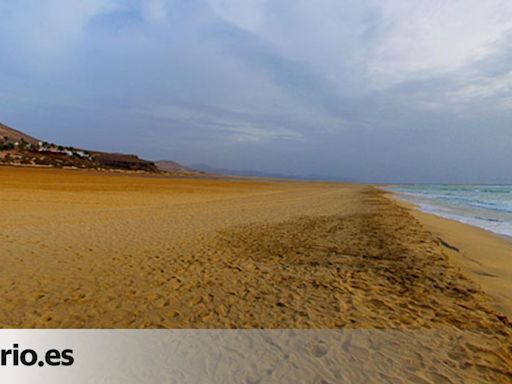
(484, 206)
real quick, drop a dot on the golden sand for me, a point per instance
(485, 257)
(83, 249)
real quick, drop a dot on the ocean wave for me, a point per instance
(487, 207)
(493, 225)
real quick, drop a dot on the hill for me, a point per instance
(18, 148)
(8, 134)
(171, 166)
(176, 168)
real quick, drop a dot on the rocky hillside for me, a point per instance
(18, 148)
(8, 134)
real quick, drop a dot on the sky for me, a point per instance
(380, 91)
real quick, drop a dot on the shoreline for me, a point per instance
(84, 250)
(485, 256)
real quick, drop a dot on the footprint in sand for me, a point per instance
(320, 349)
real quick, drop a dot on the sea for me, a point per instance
(485, 206)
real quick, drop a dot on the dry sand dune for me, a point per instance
(82, 249)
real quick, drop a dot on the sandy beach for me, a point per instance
(92, 250)
(484, 256)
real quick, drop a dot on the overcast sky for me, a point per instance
(377, 90)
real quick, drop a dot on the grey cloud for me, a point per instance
(328, 87)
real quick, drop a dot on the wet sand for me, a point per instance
(484, 256)
(88, 250)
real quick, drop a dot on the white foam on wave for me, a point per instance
(489, 223)
(499, 227)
